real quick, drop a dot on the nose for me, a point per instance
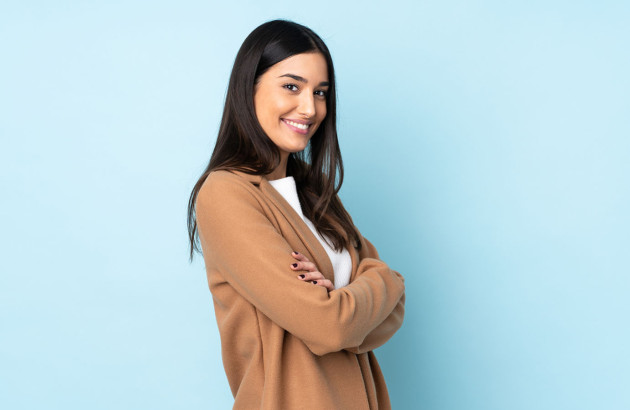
(307, 105)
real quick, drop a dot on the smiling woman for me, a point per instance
(291, 112)
(301, 298)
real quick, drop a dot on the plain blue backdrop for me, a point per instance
(486, 147)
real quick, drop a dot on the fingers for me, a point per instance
(316, 275)
(312, 274)
(316, 278)
(299, 256)
(325, 283)
(308, 266)
(303, 264)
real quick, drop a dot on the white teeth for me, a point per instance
(295, 124)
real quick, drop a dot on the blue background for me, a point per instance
(486, 148)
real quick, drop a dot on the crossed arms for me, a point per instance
(240, 241)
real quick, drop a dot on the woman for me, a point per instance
(300, 296)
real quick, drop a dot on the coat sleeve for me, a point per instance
(240, 241)
(386, 329)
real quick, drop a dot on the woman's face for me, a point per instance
(290, 100)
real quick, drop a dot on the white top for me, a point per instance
(341, 261)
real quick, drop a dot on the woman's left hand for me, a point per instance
(312, 273)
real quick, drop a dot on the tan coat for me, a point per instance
(289, 344)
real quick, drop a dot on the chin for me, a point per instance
(296, 149)
(294, 146)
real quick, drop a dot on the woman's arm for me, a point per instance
(239, 241)
(385, 330)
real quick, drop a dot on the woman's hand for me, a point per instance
(312, 274)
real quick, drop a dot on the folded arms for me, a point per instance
(239, 240)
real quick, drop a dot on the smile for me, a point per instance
(297, 127)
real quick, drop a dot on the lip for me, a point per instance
(298, 130)
(298, 121)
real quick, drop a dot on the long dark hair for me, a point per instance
(242, 144)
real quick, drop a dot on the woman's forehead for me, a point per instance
(310, 66)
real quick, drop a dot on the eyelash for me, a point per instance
(325, 93)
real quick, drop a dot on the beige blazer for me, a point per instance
(286, 343)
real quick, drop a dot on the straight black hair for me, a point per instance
(242, 144)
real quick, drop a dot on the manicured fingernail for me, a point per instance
(302, 276)
(294, 265)
(314, 282)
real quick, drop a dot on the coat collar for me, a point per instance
(315, 248)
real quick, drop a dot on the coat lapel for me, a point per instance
(307, 236)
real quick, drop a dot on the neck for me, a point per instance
(281, 169)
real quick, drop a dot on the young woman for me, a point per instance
(300, 296)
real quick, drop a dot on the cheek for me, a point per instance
(275, 108)
(322, 112)
(266, 111)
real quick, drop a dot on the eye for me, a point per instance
(288, 86)
(324, 93)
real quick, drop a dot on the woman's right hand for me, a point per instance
(312, 273)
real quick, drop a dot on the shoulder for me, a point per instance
(223, 181)
(225, 187)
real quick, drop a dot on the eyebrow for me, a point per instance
(302, 79)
